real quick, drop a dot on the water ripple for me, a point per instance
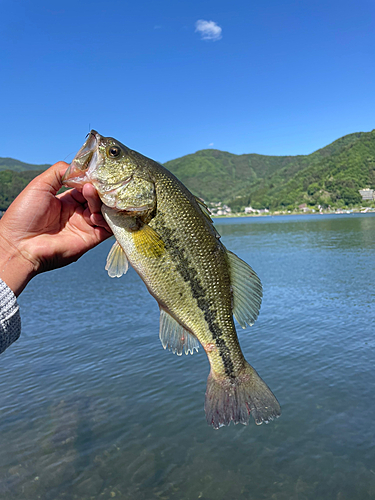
(92, 406)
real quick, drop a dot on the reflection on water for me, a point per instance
(92, 407)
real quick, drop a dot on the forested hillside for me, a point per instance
(12, 183)
(331, 175)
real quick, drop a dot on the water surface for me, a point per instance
(92, 407)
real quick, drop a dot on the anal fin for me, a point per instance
(174, 336)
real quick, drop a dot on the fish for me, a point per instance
(167, 235)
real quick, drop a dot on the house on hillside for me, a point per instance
(224, 210)
(367, 194)
(219, 208)
(304, 207)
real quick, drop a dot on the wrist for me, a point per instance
(15, 269)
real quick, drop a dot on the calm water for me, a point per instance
(92, 407)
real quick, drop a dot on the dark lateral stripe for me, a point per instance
(190, 275)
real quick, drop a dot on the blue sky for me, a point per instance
(270, 77)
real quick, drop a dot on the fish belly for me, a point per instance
(187, 286)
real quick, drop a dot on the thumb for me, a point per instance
(51, 179)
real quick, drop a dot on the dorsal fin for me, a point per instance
(203, 207)
(174, 336)
(247, 290)
(206, 212)
(117, 263)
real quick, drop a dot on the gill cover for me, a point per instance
(131, 195)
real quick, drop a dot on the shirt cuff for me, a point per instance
(10, 319)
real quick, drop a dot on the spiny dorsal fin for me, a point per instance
(206, 212)
(174, 336)
(117, 263)
(247, 290)
(203, 207)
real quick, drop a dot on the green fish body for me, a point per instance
(166, 234)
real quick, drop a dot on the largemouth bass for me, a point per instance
(168, 237)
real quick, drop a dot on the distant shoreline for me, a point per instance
(273, 214)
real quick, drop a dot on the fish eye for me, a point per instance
(114, 151)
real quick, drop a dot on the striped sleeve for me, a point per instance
(10, 319)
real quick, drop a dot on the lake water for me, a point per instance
(92, 407)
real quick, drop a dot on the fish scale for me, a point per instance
(204, 275)
(167, 236)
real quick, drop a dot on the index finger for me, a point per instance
(92, 197)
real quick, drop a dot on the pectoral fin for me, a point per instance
(247, 290)
(148, 242)
(174, 336)
(117, 263)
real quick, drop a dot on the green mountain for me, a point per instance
(330, 176)
(19, 166)
(14, 176)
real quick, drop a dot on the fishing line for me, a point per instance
(67, 156)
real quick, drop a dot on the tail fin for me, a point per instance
(235, 399)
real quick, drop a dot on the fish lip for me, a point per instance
(92, 140)
(77, 173)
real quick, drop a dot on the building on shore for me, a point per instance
(251, 210)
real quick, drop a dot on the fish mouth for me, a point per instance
(78, 171)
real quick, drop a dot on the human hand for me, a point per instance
(41, 231)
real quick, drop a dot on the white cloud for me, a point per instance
(211, 144)
(208, 30)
